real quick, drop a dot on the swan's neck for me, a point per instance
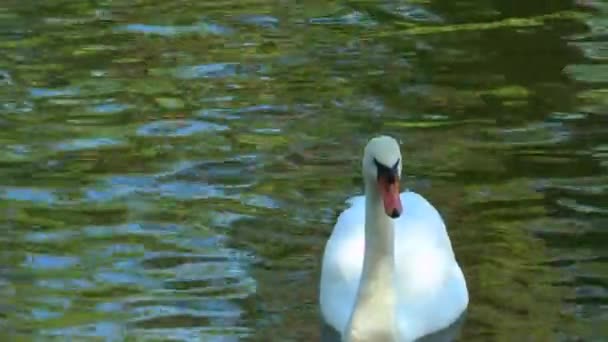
(378, 260)
(373, 312)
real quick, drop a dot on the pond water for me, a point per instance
(170, 170)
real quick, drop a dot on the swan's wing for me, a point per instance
(420, 220)
(431, 289)
(342, 264)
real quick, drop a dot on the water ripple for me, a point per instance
(190, 190)
(264, 21)
(28, 194)
(206, 70)
(89, 143)
(110, 108)
(50, 262)
(412, 12)
(46, 92)
(174, 30)
(352, 18)
(177, 128)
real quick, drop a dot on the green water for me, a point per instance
(170, 170)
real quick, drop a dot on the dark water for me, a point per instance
(171, 170)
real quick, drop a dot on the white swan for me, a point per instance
(387, 276)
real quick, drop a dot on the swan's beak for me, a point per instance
(389, 189)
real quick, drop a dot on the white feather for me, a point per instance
(431, 291)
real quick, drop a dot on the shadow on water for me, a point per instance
(171, 170)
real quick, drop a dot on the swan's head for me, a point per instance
(382, 171)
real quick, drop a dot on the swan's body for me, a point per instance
(386, 279)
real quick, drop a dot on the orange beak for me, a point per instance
(390, 196)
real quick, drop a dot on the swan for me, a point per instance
(389, 272)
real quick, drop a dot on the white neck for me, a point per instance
(373, 314)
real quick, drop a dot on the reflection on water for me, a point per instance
(172, 170)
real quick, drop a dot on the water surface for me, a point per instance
(171, 170)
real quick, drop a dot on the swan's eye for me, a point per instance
(388, 173)
(396, 166)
